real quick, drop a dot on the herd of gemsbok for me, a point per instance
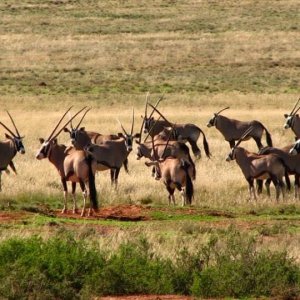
(165, 149)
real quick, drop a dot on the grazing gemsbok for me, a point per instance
(232, 129)
(72, 165)
(113, 153)
(291, 162)
(255, 166)
(9, 148)
(176, 173)
(292, 120)
(181, 132)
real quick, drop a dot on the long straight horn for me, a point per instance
(153, 149)
(222, 110)
(245, 134)
(146, 104)
(150, 130)
(168, 140)
(50, 136)
(71, 123)
(122, 126)
(82, 118)
(13, 123)
(155, 109)
(296, 111)
(8, 129)
(132, 126)
(292, 112)
(156, 104)
(67, 123)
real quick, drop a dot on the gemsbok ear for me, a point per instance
(67, 130)
(120, 135)
(82, 128)
(286, 115)
(8, 136)
(41, 140)
(137, 136)
(55, 141)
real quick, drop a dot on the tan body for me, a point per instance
(262, 167)
(174, 149)
(71, 166)
(175, 174)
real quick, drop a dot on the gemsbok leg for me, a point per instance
(74, 197)
(64, 183)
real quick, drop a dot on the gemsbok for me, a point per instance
(255, 166)
(181, 132)
(175, 173)
(292, 120)
(232, 129)
(72, 165)
(9, 148)
(291, 162)
(112, 154)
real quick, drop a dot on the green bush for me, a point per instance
(64, 268)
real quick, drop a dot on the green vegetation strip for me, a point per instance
(65, 268)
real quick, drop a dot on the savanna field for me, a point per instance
(106, 55)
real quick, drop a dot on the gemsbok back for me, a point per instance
(72, 165)
(175, 173)
(181, 132)
(292, 120)
(112, 154)
(256, 166)
(9, 148)
(232, 129)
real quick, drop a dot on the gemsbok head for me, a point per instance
(10, 147)
(292, 120)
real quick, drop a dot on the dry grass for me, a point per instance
(219, 184)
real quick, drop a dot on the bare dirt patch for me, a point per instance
(147, 297)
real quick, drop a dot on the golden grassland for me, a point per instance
(218, 183)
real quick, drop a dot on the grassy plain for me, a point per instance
(204, 55)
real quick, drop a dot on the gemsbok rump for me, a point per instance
(175, 173)
(72, 165)
(9, 148)
(232, 129)
(256, 166)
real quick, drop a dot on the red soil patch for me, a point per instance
(147, 297)
(12, 216)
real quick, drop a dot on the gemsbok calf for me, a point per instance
(292, 120)
(256, 166)
(176, 174)
(9, 148)
(232, 129)
(72, 165)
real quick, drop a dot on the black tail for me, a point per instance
(287, 181)
(268, 137)
(189, 188)
(92, 185)
(125, 164)
(205, 145)
(186, 150)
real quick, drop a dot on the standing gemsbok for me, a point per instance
(72, 165)
(232, 129)
(113, 153)
(181, 132)
(256, 166)
(176, 173)
(9, 148)
(292, 120)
